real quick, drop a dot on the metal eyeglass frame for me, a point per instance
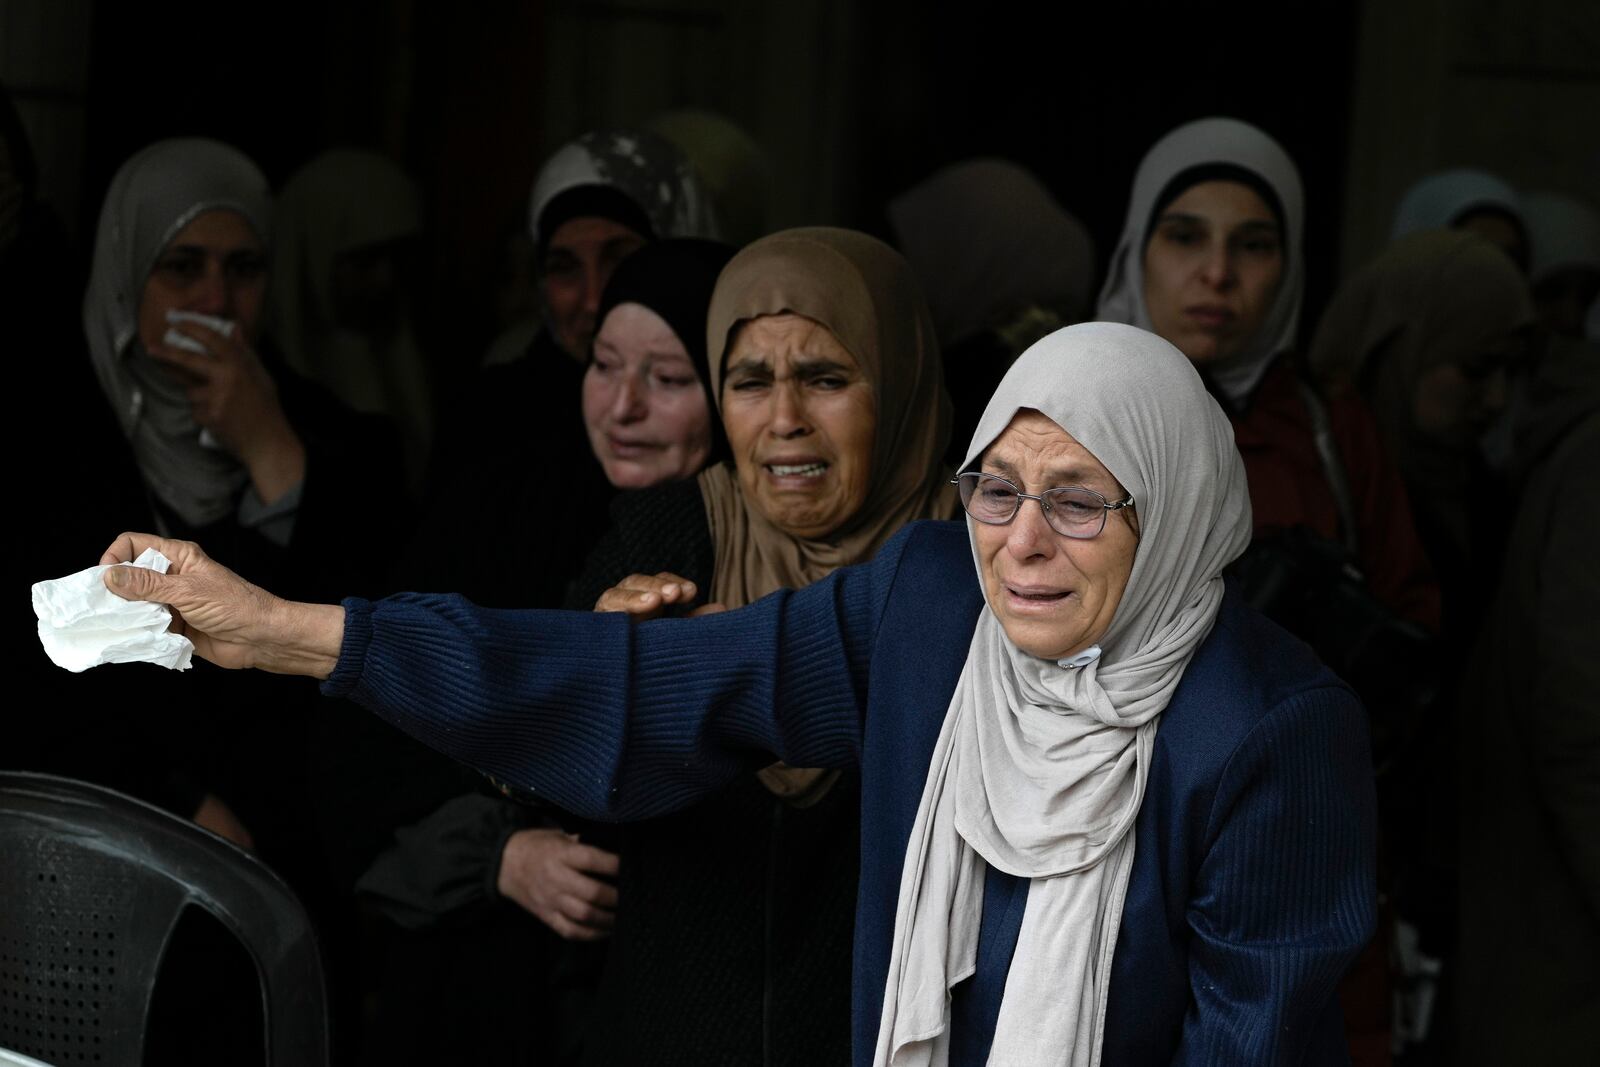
(1044, 505)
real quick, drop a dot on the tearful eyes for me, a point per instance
(1074, 509)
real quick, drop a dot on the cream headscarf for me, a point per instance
(864, 293)
(153, 196)
(1433, 297)
(1040, 767)
(1198, 144)
(342, 201)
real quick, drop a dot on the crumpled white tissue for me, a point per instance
(83, 624)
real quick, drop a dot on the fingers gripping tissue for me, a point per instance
(83, 624)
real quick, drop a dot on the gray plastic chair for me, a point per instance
(92, 883)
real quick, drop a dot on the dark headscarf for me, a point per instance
(675, 279)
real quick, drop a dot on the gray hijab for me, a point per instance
(1197, 144)
(154, 195)
(1040, 766)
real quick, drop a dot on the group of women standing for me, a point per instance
(742, 421)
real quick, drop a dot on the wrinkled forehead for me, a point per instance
(1036, 450)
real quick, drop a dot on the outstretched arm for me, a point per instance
(614, 720)
(232, 623)
(606, 719)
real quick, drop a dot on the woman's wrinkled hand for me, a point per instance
(551, 874)
(231, 622)
(231, 394)
(646, 596)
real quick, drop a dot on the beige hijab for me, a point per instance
(1433, 297)
(342, 201)
(865, 294)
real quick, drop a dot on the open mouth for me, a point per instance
(1039, 596)
(797, 470)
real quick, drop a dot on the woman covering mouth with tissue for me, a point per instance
(206, 436)
(223, 436)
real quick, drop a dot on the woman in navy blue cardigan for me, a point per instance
(1110, 814)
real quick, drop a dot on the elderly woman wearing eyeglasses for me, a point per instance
(1109, 813)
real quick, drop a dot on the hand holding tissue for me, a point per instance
(83, 624)
(231, 622)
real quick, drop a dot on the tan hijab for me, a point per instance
(865, 294)
(342, 201)
(1432, 297)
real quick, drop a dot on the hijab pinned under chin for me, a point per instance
(1040, 767)
(152, 197)
(1200, 151)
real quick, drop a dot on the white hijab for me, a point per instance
(1437, 201)
(1040, 767)
(153, 196)
(1197, 144)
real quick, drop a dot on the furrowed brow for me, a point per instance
(814, 367)
(997, 465)
(750, 365)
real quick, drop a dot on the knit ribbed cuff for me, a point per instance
(353, 649)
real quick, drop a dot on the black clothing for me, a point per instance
(735, 917)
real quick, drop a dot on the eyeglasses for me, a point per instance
(1071, 511)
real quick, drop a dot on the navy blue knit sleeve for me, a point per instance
(617, 721)
(1285, 896)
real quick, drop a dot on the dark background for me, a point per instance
(852, 102)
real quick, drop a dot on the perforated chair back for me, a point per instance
(92, 883)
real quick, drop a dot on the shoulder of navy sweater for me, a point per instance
(935, 596)
(1247, 670)
(923, 639)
